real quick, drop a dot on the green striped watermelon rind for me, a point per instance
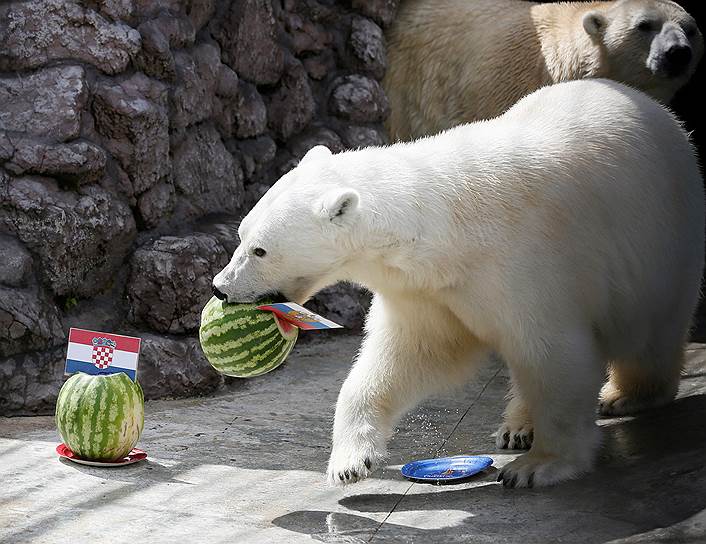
(266, 345)
(100, 417)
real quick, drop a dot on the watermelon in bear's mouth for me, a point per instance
(242, 341)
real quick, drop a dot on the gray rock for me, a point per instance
(248, 38)
(155, 58)
(177, 28)
(30, 382)
(205, 174)
(174, 367)
(245, 115)
(191, 100)
(318, 66)
(227, 83)
(46, 103)
(15, 262)
(199, 12)
(40, 31)
(156, 204)
(78, 161)
(170, 281)
(255, 154)
(367, 45)
(29, 321)
(307, 36)
(382, 11)
(346, 304)
(359, 99)
(132, 118)
(80, 239)
(355, 137)
(291, 107)
(115, 10)
(318, 136)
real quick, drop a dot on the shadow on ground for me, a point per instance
(651, 474)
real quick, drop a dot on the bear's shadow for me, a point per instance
(651, 474)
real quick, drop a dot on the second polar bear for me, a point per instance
(455, 61)
(566, 235)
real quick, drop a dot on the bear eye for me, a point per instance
(259, 252)
(647, 26)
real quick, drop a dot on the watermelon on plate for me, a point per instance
(100, 417)
(240, 340)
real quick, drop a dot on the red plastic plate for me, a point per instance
(134, 456)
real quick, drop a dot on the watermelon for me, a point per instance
(241, 341)
(100, 417)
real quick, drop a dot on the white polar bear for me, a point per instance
(566, 235)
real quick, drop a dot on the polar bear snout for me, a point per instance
(671, 53)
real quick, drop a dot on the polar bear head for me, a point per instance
(296, 237)
(652, 45)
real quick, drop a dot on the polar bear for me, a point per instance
(455, 61)
(567, 235)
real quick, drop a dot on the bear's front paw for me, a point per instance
(534, 470)
(514, 438)
(349, 464)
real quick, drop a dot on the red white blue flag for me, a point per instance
(95, 352)
(299, 316)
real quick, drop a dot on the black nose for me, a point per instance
(678, 57)
(218, 294)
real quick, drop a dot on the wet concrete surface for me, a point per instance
(248, 465)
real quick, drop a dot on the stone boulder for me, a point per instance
(243, 115)
(47, 103)
(170, 281)
(29, 321)
(206, 177)
(346, 304)
(247, 34)
(79, 238)
(30, 382)
(132, 118)
(367, 45)
(381, 11)
(175, 367)
(291, 107)
(37, 32)
(355, 137)
(77, 161)
(359, 99)
(191, 100)
(15, 262)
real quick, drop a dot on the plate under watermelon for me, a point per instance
(133, 457)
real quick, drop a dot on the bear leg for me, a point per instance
(559, 382)
(401, 362)
(517, 430)
(638, 386)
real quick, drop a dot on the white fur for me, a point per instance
(566, 235)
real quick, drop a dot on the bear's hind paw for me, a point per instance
(512, 438)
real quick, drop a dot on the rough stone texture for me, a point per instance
(15, 262)
(28, 321)
(367, 44)
(170, 281)
(79, 161)
(343, 303)
(34, 33)
(47, 103)
(248, 37)
(134, 136)
(206, 177)
(292, 105)
(359, 99)
(132, 118)
(381, 11)
(175, 367)
(79, 239)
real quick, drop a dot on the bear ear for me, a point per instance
(339, 206)
(316, 152)
(594, 23)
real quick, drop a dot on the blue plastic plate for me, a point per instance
(446, 469)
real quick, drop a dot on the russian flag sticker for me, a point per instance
(95, 352)
(299, 316)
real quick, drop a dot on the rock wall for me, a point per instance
(134, 134)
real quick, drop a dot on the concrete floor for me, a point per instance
(248, 466)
